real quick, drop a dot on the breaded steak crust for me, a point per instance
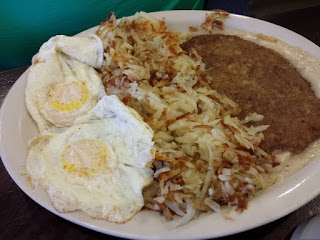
(261, 80)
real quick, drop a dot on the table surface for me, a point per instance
(22, 218)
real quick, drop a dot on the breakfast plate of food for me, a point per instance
(168, 125)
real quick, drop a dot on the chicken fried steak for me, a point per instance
(261, 80)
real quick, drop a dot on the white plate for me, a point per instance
(17, 128)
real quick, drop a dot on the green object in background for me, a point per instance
(25, 25)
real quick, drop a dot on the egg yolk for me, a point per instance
(67, 96)
(85, 157)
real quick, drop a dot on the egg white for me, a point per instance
(100, 167)
(62, 83)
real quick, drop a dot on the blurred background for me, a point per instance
(25, 25)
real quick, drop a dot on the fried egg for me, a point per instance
(100, 167)
(62, 83)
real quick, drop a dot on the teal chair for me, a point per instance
(25, 25)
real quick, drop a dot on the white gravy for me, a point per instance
(309, 68)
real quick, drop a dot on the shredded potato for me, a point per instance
(205, 157)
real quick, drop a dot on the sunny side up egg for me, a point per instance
(63, 84)
(100, 167)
